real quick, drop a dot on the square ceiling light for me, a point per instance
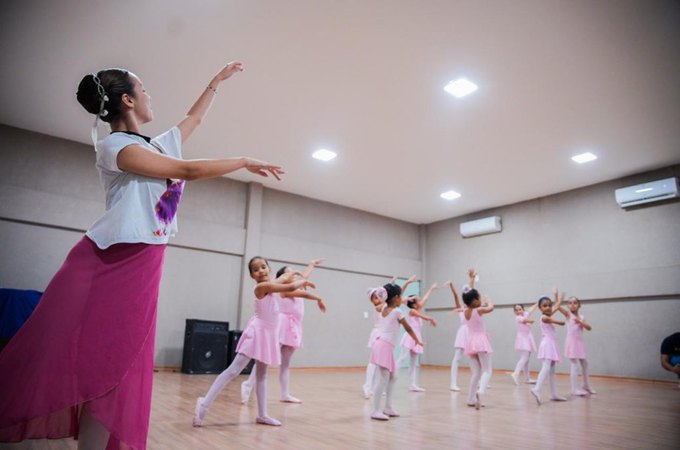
(584, 158)
(460, 87)
(324, 155)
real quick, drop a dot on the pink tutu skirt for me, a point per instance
(525, 342)
(382, 355)
(290, 331)
(574, 348)
(461, 337)
(547, 349)
(89, 342)
(408, 343)
(260, 341)
(478, 343)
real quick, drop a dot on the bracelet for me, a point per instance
(212, 89)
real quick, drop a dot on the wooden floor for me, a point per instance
(623, 414)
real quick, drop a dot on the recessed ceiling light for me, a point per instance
(460, 87)
(584, 158)
(449, 195)
(324, 155)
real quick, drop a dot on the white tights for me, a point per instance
(522, 365)
(284, 372)
(412, 369)
(480, 363)
(386, 381)
(238, 364)
(91, 433)
(573, 374)
(547, 371)
(454, 366)
(371, 378)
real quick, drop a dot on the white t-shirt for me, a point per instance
(138, 208)
(389, 326)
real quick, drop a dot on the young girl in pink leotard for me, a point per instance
(547, 349)
(408, 346)
(461, 335)
(478, 347)
(574, 348)
(259, 341)
(290, 333)
(524, 342)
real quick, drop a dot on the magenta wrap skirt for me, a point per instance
(89, 341)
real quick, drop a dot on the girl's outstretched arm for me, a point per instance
(472, 275)
(202, 105)
(311, 266)
(532, 309)
(582, 322)
(456, 297)
(300, 293)
(415, 313)
(487, 308)
(408, 281)
(426, 297)
(549, 319)
(410, 331)
(269, 287)
(558, 305)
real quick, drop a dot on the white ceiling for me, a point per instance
(365, 78)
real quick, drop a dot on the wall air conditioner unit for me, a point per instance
(653, 191)
(481, 226)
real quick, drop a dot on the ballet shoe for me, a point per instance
(290, 399)
(557, 398)
(537, 396)
(454, 388)
(367, 393)
(589, 390)
(530, 381)
(377, 415)
(514, 379)
(245, 392)
(199, 413)
(266, 420)
(391, 413)
(478, 401)
(416, 389)
(579, 393)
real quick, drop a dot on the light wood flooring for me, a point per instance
(624, 414)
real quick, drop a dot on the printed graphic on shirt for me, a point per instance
(166, 208)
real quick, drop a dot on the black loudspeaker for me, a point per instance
(206, 346)
(234, 336)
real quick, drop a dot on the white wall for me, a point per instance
(623, 264)
(50, 194)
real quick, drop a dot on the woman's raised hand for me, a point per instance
(228, 70)
(263, 168)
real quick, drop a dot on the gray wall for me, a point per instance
(50, 194)
(623, 264)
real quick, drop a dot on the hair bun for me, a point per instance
(466, 289)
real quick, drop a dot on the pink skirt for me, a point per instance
(89, 342)
(525, 342)
(574, 348)
(478, 343)
(290, 332)
(382, 355)
(461, 337)
(408, 343)
(547, 349)
(260, 341)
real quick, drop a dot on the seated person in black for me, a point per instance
(670, 354)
